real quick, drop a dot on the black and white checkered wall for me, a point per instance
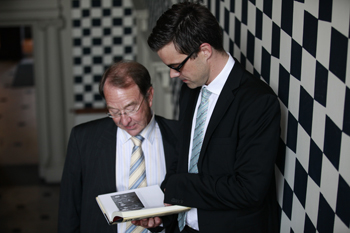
(103, 32)
(302, 50)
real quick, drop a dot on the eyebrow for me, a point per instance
(128, 105)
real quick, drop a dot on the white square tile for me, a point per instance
(298, 22)
(267, 33)
(318, 124)
(323, 43)
(339, 226)
(294, 96)
(329, 182)
(303, 147)
(298, 215)
(285, 51)
(251, 17)
(335, 99)
(344, 160)
(312, 200)
(276, 12)
(279, 185)
(308, 72)
(341, 15)
(289, 169)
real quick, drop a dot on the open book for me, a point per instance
(135, 204)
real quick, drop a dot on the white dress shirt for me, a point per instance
(153, 150)
(215, 87)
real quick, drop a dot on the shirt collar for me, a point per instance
(218, 83)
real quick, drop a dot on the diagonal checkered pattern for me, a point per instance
(103, 32)
(301, 49)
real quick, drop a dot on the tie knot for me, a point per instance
(205, 94)
(137, 140)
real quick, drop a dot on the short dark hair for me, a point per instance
(125, 73)
(187, 25)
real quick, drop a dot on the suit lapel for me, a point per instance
(186, 127)
(107, 152)
(222, 105)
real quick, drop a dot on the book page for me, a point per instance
(150, 197)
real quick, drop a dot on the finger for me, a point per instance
(150, 222)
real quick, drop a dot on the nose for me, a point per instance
(124, 119)
(174, 74)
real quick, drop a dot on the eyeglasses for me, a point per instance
(129, 111)
(181, 64)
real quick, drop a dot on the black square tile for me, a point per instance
(96, 41)
(87, 88)
(326, 216)
(117, 21)
(78, 97)
(86, 32)
(258, 24)
(306, 107)
(127, 11)
(266, 65)
(281, 156)
(77, 61)
(237, 33)
(244, 12)
(346, 120)
(85, 13)
(276, 40)
(268, 8)
(325, 10)
(343, 203)
(97, 97)
(75, 3)
(127, 31)
(96, 22)
(78, 79)
(315, 163)
(292, 132)
(76, 42)
(128, 49)
(96, 3)
(310, 33)
(97, 60)
(76, 23)
(300, 182)
(283, 87)
(106, 12)
(332, 142)
(86, 50)
(117, 2)
(251, 47)
(321, 82)
(287, 200)
(338, 54)
(296, 60)
(117, 40)
(217, 10)
(287, 16)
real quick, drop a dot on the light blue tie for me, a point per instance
(197, 142)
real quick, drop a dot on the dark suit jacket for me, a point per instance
(234, 189)
(90, 171)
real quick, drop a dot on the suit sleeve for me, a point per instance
(248, 182)
(71, 190)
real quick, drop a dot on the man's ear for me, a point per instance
(206, 50)
(149, 94)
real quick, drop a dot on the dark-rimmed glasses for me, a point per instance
(181, 64)
(126, 112)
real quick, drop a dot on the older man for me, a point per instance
(99, 152)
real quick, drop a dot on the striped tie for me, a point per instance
(198, 136)
(137, 176)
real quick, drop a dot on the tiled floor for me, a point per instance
(27, 204)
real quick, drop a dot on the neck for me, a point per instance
(217, 63)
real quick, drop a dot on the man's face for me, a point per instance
(194, 72)
(122, 100)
